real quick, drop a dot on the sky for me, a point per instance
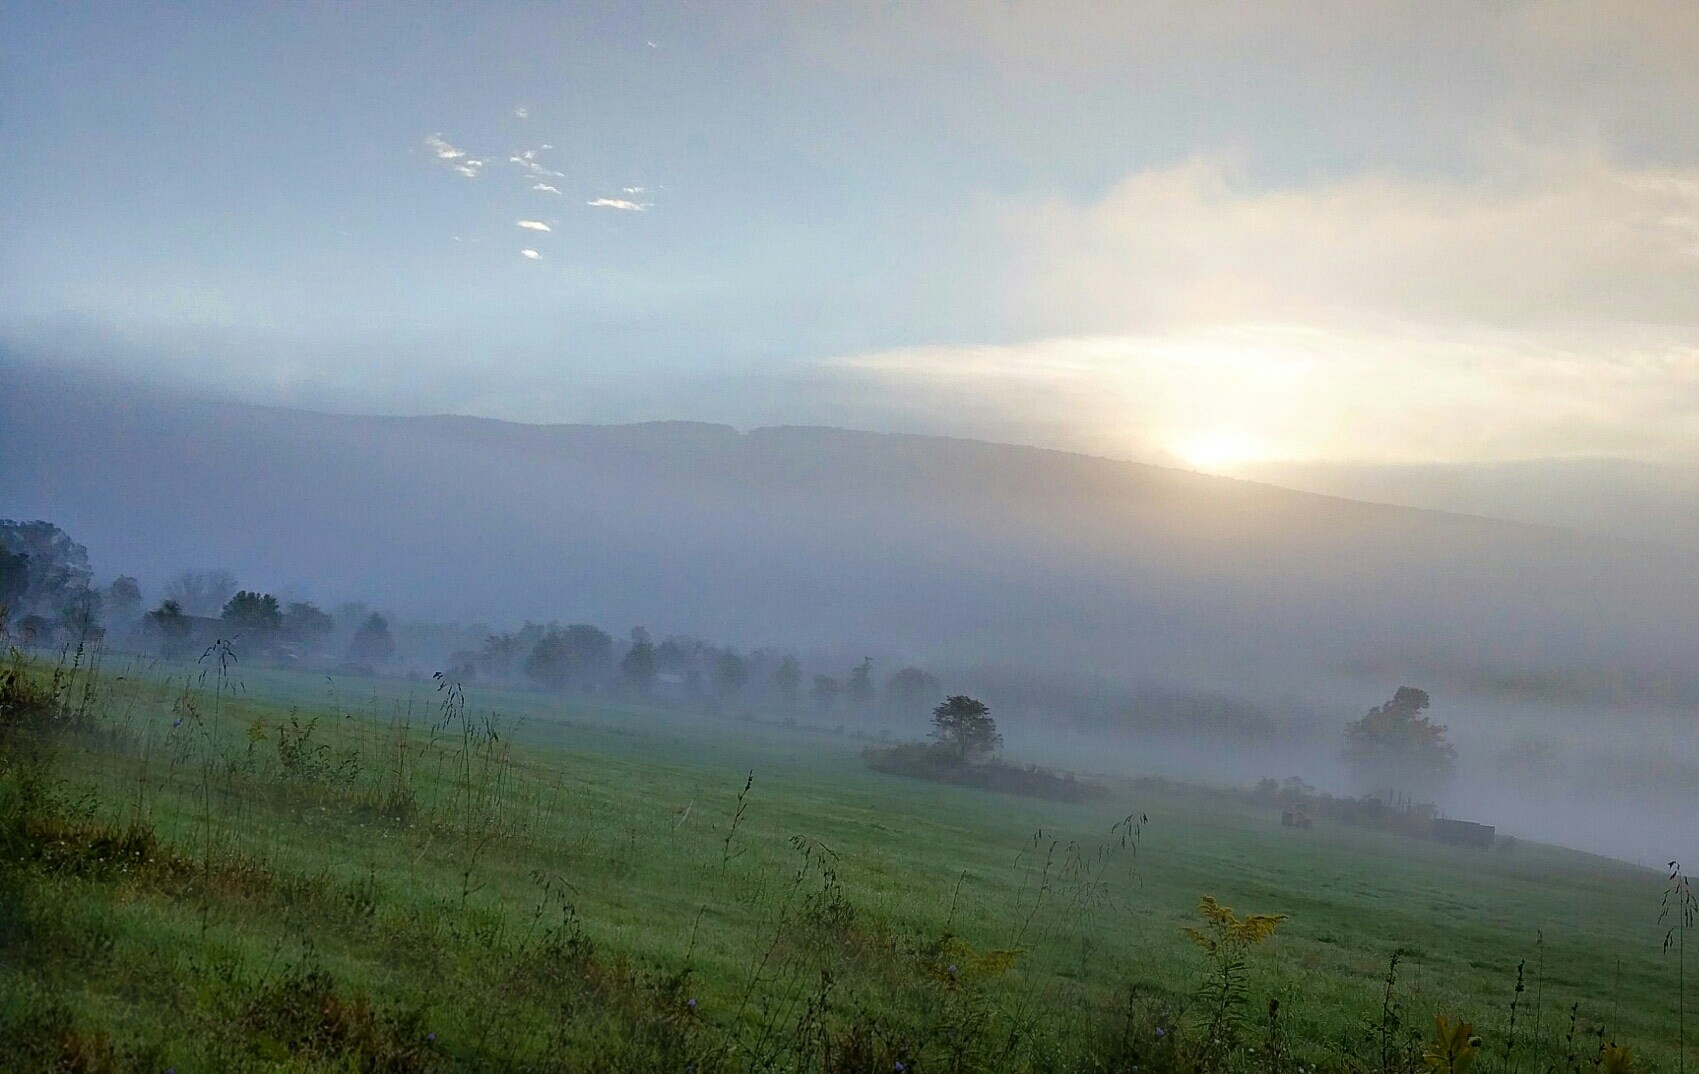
(1218, 234)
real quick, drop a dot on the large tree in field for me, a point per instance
(858, 689)
(372, 642)
(253, 614)
(306, 624)
(1396, 749)
(173, 627)
(578, 654)
(14, 577)
(731, 673)
(637, 666)
(965, 727)
(44, 570)
(787, 681)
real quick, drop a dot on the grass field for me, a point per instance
(213, 869)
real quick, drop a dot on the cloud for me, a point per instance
(633, 189)
(533, 225)
(530, 254)
(544, 188)
(527, 161)
(444, 151)
(1547, 240)
(1550, 308)
(453, 157)
(1292, 392)
(522, 112)
(618, 203)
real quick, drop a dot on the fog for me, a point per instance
(1122, 619)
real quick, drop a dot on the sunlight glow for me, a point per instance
(1219, 451)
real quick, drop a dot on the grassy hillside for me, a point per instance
(213, 868)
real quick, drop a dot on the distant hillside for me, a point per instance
(823, 539)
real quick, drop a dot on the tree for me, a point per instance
(306, 624)
(173, 627)
(730, 675)
(859, 689)
(965, 727)
(576, 654)
(637, 666)
(80, 616)
(1397, 749)
(55, 570)
(372, 643)
(14, 577)
(497, 654)
(825, 692)
(909, 690)
(787, 681)
(201, 592)
(253, 614)
(124, 596)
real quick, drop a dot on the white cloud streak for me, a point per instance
(533, 225)
(1290, 392)
(453, 157)
(530, 255)
(527, 161)
(1551, 310)
(544, 188)
(1550, 241)
(620, 204)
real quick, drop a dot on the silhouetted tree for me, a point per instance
(497, 654)
(306, 624)
(372, 643)
(730, 675)
(858, 690)
(1395, 748)
(253, 614)
(577, 654)
(14, 578)
(80, 617)
(825, 692)
(637, 666)
(965, 726)
(55, 568)
(787, 681)
(909, 691)
(124, 597)
(201, 592)
(173, 627)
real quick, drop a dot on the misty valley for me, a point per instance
(849, 537)
(350, 837)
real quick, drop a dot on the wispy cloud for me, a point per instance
(530, 254)
(544, 188)
(527, 160)
(454, 157)
(522, 112)
(534, 225)
(634, 189)
(621, 204)
(436, 144)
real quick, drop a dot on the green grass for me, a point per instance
(280, 921)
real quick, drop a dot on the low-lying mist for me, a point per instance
(1121, 620)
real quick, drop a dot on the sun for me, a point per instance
(1219, 451)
